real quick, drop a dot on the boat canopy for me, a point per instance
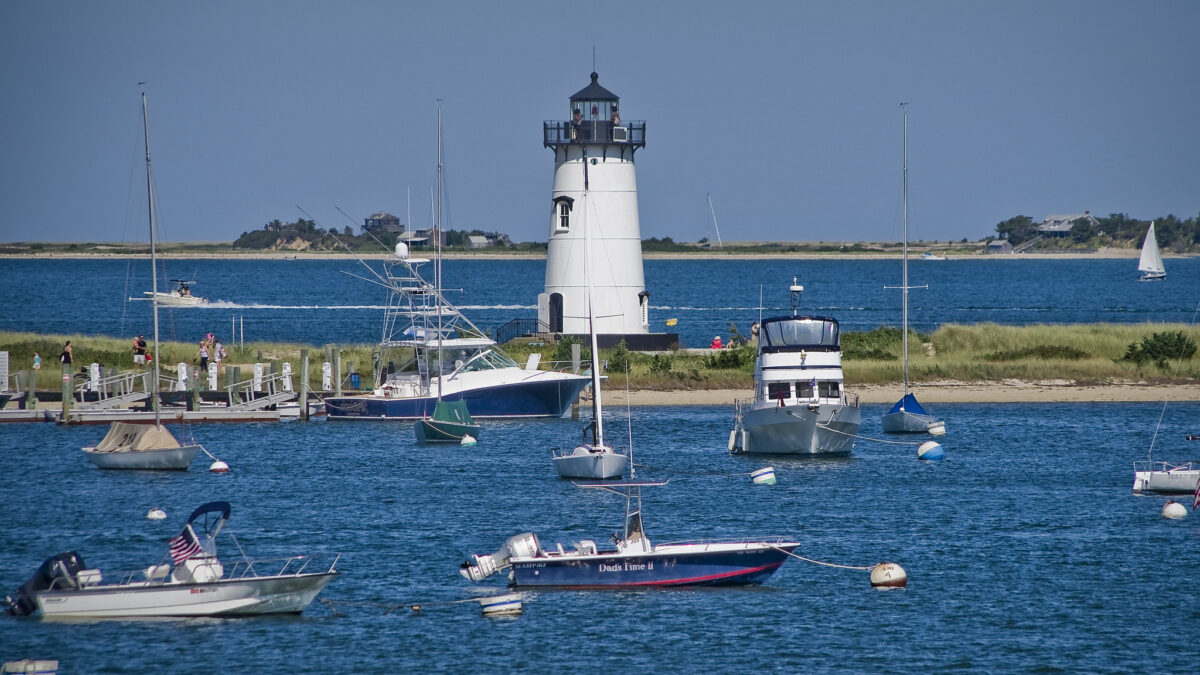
(799, 332)
(210, 507)
(908, 404)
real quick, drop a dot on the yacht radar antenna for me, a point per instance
(796, 290)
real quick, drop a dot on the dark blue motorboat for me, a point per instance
(633, 561)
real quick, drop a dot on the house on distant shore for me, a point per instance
(1060, 224)
(998, 246)
(477, 241)
(382, 222)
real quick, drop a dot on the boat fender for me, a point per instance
(1173, 510)
(733, 440)
(888, 575)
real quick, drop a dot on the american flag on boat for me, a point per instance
(1196, 495)
(184, 545)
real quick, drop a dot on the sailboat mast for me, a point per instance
(597, 408)
(437, 265)
(904, 264)
(153, 261)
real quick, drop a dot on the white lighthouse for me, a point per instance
(594, 150)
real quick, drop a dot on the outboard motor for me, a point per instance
(61, 566)
(480, 567)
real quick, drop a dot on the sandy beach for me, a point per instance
(1009, 391)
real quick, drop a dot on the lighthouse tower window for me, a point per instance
(564, 217)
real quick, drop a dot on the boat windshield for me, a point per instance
(800, 332)
(487, 359)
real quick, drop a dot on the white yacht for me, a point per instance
(799, 405)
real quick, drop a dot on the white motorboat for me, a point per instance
(194, 583)
(180, 297)
(799, 405)
(633, 562)
(931, 256)
(907, 415)
(129, 445)
(1150, 263)
(143, 446)
(596, 460)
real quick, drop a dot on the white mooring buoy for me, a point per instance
(888, 575)
(931, 450)
(764, 476)
(508, 604)
(1173, 510)
(219, 467)
(468, 440)
(156, 514)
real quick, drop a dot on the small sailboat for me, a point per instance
(907, 415)
(141, 446)
(1150, 265)
(595, 460)
(451, 422)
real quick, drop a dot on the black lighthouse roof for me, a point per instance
(594, 92)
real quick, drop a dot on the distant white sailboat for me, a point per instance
(1150, 265)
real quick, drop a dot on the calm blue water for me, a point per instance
(318, 302)
(1026, 549)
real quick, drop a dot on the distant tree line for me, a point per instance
(1116, 230)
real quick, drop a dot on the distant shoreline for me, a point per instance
(1101, 254)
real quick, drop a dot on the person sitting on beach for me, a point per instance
(716, 343)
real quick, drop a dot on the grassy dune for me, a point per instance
(1082, 354)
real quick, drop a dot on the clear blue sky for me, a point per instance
(786, 112)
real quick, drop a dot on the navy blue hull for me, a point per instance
(732, 568)
(525, 399)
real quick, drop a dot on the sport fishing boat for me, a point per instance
(633, 561)
(194, 583)
(799, 405)
(457, 362)
(180, 297)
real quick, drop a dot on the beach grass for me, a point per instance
(1078, 353)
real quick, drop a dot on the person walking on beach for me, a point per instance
(65, 356)
(139, 351)
(37, 361)
(203, 355)
(219, 352)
